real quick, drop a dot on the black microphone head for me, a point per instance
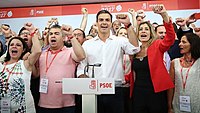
(98, 65)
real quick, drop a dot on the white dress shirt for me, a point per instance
(109, 54)
(167, 60)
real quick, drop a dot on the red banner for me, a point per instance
(94, 8)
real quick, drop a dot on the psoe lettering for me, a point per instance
(105, 85)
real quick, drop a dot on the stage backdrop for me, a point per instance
(71, 14)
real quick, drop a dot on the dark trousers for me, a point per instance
(35, 91)
(111, 103)
(127, 100)
(145, 101)
(78, 101)
(70, 109)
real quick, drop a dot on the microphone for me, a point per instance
(95, 65)
(86, 68)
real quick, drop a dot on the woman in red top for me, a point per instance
(152, 79)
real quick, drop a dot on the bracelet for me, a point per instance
(128, 25)
(32, 34)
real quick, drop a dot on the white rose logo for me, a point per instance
(9, 14)
(118, 8)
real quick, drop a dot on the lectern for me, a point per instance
(89, 88)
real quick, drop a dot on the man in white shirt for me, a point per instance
(107, 50)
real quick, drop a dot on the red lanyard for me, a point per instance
(187, 73)
(9, 73)
(47, 67)
(184, 82)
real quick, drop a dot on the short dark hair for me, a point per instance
(81, 31)
(156, 28)
(55, 26)
(138, 16)
(20, 31)
(25, 48)
(102, 12)
(194, 41)
(155, 23)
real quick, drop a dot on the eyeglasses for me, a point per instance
(25, 33)
(78, 34)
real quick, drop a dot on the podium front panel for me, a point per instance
(88, 86)
(79, 86)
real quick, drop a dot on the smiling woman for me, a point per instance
(150, 86)
(15, 75)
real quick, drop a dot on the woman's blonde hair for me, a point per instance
(117, 32)
(153, 35)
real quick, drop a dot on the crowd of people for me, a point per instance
(155, 67)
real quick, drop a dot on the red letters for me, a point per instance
(105, 85)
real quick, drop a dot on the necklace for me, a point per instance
(141, 59)
(187, 63)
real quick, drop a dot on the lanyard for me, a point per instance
(9, 73)
(184, 82)
(187, 73)
(47, 67)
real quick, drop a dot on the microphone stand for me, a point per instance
(94, 65)
(93, 71)
(86, 69)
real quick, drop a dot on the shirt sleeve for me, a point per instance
(82, 64)
(128, 48)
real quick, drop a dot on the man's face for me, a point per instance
(161, 32)
(56, 39)
(25, 34)
(104, 23)
(79, 36)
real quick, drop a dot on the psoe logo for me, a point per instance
(106, 85)
(93, 84)
(118, 8)
(3, 14)
(32, 12)
(9, 14)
